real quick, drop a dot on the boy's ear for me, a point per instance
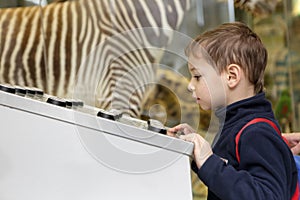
(233, 75)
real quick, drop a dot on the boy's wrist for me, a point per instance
(204, 157)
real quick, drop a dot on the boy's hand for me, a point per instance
(202, 149)
(294, 142)
(182, 128)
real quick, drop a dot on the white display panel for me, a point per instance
(49, 152)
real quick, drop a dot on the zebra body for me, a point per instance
(97, 46)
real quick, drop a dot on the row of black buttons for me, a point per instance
(22, 91)
(68, 103)
(36, 93)
(153, 125)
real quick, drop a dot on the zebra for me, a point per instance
(101, 49)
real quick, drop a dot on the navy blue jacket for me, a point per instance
(266, 170)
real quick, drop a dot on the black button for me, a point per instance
(57, 101)
(7, 88)
(156, 126)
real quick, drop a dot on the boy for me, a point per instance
(227, 66)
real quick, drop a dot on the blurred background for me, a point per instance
(277, 22)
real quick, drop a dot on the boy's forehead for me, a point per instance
(197, 63)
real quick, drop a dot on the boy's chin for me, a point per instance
(205, 107)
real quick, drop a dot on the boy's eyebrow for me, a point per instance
(191, 67)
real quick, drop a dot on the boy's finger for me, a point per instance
(296, 149)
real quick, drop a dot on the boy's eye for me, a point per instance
(197, 77)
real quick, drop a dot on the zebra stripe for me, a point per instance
(86, 42)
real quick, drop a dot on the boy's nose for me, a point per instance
(190, 88)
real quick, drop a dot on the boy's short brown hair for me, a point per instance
(234, 43)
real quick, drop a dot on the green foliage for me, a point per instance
(283, 109)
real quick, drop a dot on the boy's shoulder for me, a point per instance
(259, 125)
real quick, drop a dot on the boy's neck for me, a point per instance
(240, 93)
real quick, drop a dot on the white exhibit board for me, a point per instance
(49, 152)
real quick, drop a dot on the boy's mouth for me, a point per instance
(197, 99)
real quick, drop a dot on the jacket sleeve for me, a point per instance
(265, 170)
